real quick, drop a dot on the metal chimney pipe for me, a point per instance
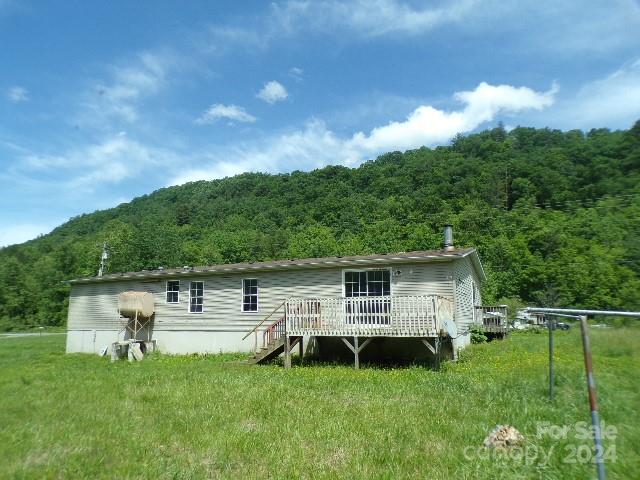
(448, 237)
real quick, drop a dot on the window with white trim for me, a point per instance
(367, 283)
(196, 297)
(173, 291)
(249, 294)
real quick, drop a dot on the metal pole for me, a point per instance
(593, 401)
(550, 327)
(573, 311)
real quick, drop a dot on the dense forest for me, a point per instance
(555, 216)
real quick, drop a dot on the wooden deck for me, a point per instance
(356, 320)
(387, 316)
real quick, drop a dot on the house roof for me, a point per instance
(299, 264)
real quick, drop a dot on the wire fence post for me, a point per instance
(581, 314)
(550, 327)
(593, 401)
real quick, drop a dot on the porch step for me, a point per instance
(272, 350)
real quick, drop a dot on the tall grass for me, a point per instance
(79, 416)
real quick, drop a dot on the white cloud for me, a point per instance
(19, 233)
(230, 112)
(272, 92)
(427, 125)
(316, 145)
(18, 94)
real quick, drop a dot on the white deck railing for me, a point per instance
(415, 315)
(492, 317)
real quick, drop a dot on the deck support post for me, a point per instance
(287, 352)
(301, 349)
(434, 349)
(356, 352)
(356, 348)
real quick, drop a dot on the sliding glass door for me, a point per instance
(368, 297)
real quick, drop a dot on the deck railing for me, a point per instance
(415, 315)
(274, 331)
(492, 318)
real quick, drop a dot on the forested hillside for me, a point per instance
(555, 216)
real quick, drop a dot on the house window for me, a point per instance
(250, 295)
(173, 291)
(367, 283)
(196, 297)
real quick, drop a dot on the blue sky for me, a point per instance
(104, 101)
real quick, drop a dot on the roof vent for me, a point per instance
(448, 237)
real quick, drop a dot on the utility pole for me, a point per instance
(103, 258)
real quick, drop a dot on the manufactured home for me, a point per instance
(417, 303)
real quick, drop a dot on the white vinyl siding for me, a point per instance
(466, 293)
(423, 279)
(93, 306)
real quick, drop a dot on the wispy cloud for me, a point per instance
(129, 83)
(219, 39)
(613, 100)
(229, 112)
(316, 145)
(273, 92)
(111, 160)
(296, 73)
(562, 26)
(17, 94)
(369, 17)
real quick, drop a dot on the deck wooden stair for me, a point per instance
(273, 339)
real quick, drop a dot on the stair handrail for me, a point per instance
(265, 319)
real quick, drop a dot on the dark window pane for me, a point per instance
(348, 290)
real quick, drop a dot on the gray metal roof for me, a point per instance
(298, 264)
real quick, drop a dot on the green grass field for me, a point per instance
(79, 416)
